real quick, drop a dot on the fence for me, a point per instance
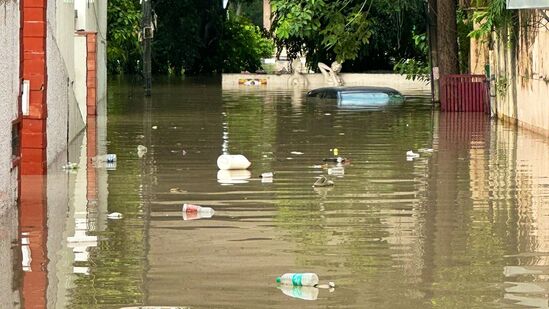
(464, 93)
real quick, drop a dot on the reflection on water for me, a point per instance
(463, 226)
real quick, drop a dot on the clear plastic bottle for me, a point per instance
(193, 212)
(298, 279)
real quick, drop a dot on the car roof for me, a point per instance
(364, 89)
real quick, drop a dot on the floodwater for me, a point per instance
(463, 226)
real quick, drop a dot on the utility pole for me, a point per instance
(146, 38)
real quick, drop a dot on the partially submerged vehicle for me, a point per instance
(358, 97)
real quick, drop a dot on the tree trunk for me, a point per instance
(448, 60)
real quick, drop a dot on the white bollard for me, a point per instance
(233, 162)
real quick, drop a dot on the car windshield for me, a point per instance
(363, 98)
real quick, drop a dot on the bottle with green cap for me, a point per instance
(298, 279)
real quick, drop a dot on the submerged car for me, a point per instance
(359, 97)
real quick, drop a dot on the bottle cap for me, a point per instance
(277, 279)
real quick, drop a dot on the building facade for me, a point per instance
(53, 65)
(518, 59)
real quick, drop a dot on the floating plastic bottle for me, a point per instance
(110, 158)
(233, 162)
(298, 279)
(194, 212)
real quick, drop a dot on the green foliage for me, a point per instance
(243, 46)
(464, 27)
(341, 27)
(187, 38)
(416, 69)
(196, 37)
(123, 50)
(495, 17)
(365, 34)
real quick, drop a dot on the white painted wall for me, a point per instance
(100, 17)
(9, 92)
(80, 89)
(64, 118)
(92, 17)
(284, 81)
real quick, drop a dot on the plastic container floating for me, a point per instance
(233, 162)
(194, 212)
(412, 154)
(323, 182)
(298, 279)
(110, 158)
(114, 216)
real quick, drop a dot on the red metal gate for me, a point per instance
(464, 93)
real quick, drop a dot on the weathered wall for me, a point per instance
(9, 256)
(64, 120)
(521, 69)
(9, 90)
(92, 17)
(100, 16)
(284, 81)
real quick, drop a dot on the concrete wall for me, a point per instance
(92, 17)
(64, 118)
(100, 13)
(9, 257)
(310, 81)
(9, 92)
(521, 69)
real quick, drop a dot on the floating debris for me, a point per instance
(425, 150)
(323, 182)
(411, 154)
(298, 279)
(177, 190)
(336, 171)
(141, 151)
(114, 216)
(336, 160)
(194, 212)
(233, 162)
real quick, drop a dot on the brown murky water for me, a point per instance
(463, 226)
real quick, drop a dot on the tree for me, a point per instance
(448, 60)
(365, 34)
(123, 52)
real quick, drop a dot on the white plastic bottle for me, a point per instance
(298, 279)
(233, 162)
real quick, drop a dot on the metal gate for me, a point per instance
(464, 93)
